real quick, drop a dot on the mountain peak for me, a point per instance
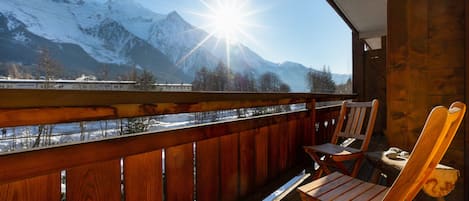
(174, 16)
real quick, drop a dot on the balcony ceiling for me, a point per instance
(368, 17)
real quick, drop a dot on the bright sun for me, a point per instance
(227, 20)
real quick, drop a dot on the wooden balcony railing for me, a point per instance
(225, 160)
(326, 118)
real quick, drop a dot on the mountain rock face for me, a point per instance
(121, 34)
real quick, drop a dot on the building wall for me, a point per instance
(425, 67)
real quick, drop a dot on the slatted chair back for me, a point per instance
(352, 119)
(436, 136)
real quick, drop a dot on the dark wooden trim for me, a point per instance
(466, 134)
(34, 162)
(342, 15)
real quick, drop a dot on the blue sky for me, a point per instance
(304, 31)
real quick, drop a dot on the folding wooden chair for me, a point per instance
(352, 115)
(436, 136)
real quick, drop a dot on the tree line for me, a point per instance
(222, 78)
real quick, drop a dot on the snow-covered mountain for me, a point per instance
(122, 33)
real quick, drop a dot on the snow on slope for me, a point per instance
(133, 16)
(62, 22)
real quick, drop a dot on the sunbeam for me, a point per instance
(228, 21)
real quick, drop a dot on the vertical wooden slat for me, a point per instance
(97, 181)
(274, 150)
(355, 122)
(283, 145)
(350, 119)
(247, 166)
(143, 177)
(330, 125)
(208, 169)
(361, 119)
(229, 146)
(179, 167)
(310, 129)
(293, 143)
(262, 149)
(42, 188)
(301, 129)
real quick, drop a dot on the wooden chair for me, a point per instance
(436, 136)
(352, 115)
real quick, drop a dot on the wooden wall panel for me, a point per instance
(425, 67)
(179, 166)
(143, 177)
(97, 181)
(208, 169)
(42, 188)
(229, 158)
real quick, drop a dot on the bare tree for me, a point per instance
(104, 72)
(14, 71)
(222, 78)
(201, 80)
(145, 81)
(47, 66)
(321, 81)
(270, 82)
(345, 88)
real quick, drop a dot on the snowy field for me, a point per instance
(26, 137)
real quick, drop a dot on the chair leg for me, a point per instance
(317, 173)
(342, 167)
(375, 176)
(322, 165)
(356, 167)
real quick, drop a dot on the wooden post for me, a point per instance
(310, 136)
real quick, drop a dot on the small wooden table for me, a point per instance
(440, 183)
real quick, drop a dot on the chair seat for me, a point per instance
(337, 186)
(333, 149)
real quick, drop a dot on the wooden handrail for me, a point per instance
(27, 98)
(31, 107)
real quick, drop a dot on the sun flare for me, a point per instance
(227, 21)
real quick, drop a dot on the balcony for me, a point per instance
(226, 160)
